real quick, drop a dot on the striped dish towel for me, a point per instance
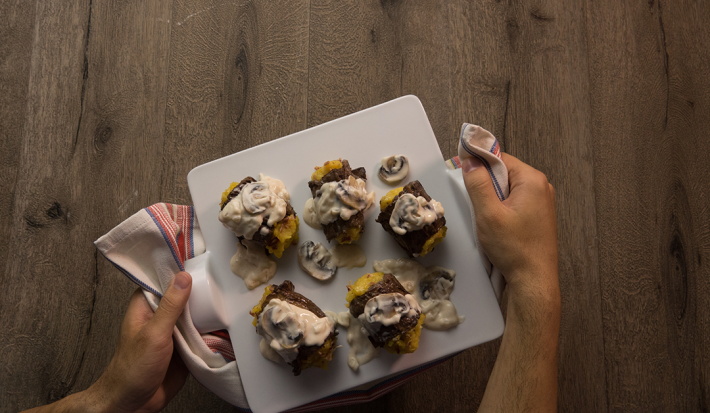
(151, 247)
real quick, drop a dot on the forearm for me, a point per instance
(96, 399)
(85, 401)
(524, 377)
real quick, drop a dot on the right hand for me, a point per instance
(519, 235)
(145, 372)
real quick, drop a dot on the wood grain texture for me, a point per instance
(106, 105)
(96, 99)
(650, 102)
(15, 59)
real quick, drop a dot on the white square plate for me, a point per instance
(363, 138)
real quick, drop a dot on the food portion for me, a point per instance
(259, 214)
(260, 211)
(389, 314)
(394, 169)
(294, 328)
(431, 287)
(413, 218)
(315, 259)
(339, 201)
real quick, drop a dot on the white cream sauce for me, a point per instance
(338, 199)
(316, 260)
(245, 213)
(286, 327)
(361, 349)
(394, 168)
(269, 353)
(252, 264)
(276, 186)
(387, 310)
(414, 213)
(431, 287)
(309, 215)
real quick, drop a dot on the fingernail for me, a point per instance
(470, 164)
(182, 280)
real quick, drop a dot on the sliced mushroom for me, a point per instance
(285, 329)
(351, 193)
(254, 196)
(387, 309)
(394, 168)
(315, 259)
(438, 284)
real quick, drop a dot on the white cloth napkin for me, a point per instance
(474, 141)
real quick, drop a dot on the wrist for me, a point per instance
(99, 397)
(534, 299)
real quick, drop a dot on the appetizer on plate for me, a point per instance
(390, 315)
(339, 201)
(294, 329)
(413, 218)
(260, 211)
(259, 214)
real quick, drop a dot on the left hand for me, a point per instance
(145, 373)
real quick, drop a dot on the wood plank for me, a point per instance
(15, 57)
(93, 125)
(120, 137)
(31, 293)
(238, 78)
(650, 102)
(355, 59)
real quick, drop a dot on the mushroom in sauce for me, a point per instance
(316, 260)
(394, 168)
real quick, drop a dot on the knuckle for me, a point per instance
(542, 179)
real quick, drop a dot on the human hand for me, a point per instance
(145, 373)
(519, 235)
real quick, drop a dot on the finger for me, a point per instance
(479, 186)
(171, 305)
(137, 315)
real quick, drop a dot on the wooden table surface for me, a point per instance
(105, 105)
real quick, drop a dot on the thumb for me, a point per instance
(171, 305)
(479, 186)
